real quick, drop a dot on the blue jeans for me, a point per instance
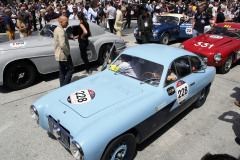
(66, 70)
(195, 33)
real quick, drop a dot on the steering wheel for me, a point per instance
(151, 78)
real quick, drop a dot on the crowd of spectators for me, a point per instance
(42, 12)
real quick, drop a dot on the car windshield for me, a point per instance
(225, 31)
(168, 19)
(48, 30)
(138, 68)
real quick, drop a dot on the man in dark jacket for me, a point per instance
(145, 26)
(51, 15)
(128, 15)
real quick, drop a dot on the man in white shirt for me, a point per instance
(92, 15)
(111, 14)
(83, 9)
(70, 7)
(74, 14)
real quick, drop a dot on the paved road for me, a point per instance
(211, 128)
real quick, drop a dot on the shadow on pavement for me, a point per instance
(234, 118)
(236, 95)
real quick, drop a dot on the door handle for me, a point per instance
(192, 84)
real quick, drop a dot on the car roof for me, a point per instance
(229, 24)
(173, 15)
(157, 53)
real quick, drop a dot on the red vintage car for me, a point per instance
(218, 47)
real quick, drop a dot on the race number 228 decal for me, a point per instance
(182, 91)
(81, 97)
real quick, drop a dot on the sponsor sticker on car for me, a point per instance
(81, 97)
(188, 30)
(182, 91)
(17, 44)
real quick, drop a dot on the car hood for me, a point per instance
(214, 42)
(103, 91)
(29, 42)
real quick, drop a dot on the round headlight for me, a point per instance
(76, 150)
(218, 57)
(155, 34)
(181, 46)
(34, 113)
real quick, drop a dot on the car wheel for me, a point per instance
(102, 53)
(203, 96)
(165, 39)
(122, 148)
(227, 65)
(19, 75)
(139, 41)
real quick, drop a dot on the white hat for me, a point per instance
(210, 6)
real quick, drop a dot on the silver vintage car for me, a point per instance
(21, 60)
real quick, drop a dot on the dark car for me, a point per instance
(166, 29)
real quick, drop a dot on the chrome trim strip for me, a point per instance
(59, 127)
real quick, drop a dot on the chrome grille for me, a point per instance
(64, 134)
(200, 55)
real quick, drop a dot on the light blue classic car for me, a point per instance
(105, 115)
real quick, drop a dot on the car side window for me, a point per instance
(196, 64)
(171, 75)
(182, 66)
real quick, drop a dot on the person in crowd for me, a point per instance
(51, 15)
(178, 9)
(67, 14)
(123, 9)
(83, 9)
(220, 15)
(58, 10)
(102, 15)
(64, 12)
(145, 26)
(9, 25)
(128, 15)
(92, 15)
(33, 15)
(119, 21)
(70, 7)
(74, 14)
(84, 33)
(42, 21)
(189, 15)
(201, 19)
(22, 26)
(111, 14)
(62, 52)
(156, 14)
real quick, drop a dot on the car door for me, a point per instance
(180, 87)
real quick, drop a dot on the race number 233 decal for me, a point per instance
(81, 97)
(182, 91)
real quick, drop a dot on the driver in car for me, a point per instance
(130, 66)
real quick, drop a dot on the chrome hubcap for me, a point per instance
(228, 64)
(119, 153)
(165, 40)
(202, 94)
